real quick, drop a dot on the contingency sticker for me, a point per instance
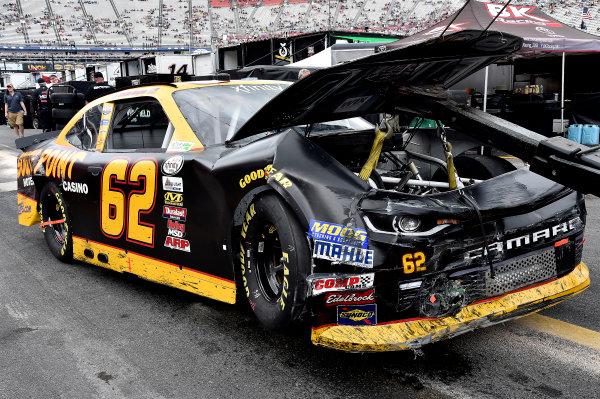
(338, 234)
(364, 315)
(180, 146)
(107, 111)
(343, 253)
(321, 283)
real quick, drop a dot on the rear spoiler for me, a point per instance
(561, 160)
(25, 142)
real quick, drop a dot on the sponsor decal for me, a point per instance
(177, 243)
(173, 165)
(338, 234)
(329, 283)
(180, 146)
(104, 122)
(254, 88)
(23, 209)
(456, 27)
(173, 198)
(365, 315)
(75, 187)
(28, 181)
(133, 93)
(548, 32)
(255, 175)
(57, 163)
(175, 228)
(517, 15)
(341, 253)
(171, 183)
(279, 177)
(171, 212)
(350, 298)
(524, 240)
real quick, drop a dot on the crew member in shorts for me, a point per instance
(14, 110)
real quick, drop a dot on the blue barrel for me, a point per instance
(575, 132)
(590, 135)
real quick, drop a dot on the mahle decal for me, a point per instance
(341, 253)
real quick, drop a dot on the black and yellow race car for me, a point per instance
(284, 196)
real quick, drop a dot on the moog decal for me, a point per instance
(338, 234)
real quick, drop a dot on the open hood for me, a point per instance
(400, 79)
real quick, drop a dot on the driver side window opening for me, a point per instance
(139, 123)
(84, 133)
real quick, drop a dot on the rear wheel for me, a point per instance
(275, 261)
(57, 232)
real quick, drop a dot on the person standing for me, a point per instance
(98, 89)
(14, 110)
(41, 103)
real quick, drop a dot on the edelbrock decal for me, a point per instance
(350, 298)
(171, 183)
(321, 283)
(173, 165)
(338, 234)
(343, 253)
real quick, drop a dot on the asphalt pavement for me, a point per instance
(80, 331)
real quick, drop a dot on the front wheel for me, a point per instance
(275, 261)
(57, 228)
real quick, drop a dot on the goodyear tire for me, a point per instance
(58, 235)
(275, 261)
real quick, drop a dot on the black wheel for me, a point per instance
(275, 261)
(58, 235)
(35, 123)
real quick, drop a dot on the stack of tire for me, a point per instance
(66, 101)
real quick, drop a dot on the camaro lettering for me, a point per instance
(343, 253)
(527, 239)
(338, 234)
(75, 187)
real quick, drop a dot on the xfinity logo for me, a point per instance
(527, 239)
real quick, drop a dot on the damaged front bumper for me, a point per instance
(414, 333)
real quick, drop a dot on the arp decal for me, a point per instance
(280, 178)
(177, 243)
(174, 213)
(75, 187)
(255, 175)
(173, 165)
(172, 184)
(175, 228)
(118, 212)
(365, 315)
(350, 298)
(56, 163)
(175, 199)
(324, 284)
(338, 234)
(343, 254)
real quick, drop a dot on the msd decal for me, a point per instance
(330, 283)
(177, 243)
(175, 228)
(517, 15)
(338, 234)
(365, 315)
(174, 213)
(350, 298)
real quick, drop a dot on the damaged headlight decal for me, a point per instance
(324, 282)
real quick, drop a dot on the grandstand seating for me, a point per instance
(197, 22)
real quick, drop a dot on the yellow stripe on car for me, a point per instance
(415, 333)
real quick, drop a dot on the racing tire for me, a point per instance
(275, 261)
(35, 123)
(63, 113)
(58, 235)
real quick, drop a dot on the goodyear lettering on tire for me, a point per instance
(249, 215)
(286, 273)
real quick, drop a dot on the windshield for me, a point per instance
(215, 113)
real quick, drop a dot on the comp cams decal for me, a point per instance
(172, 184)
(322, 283)
(350, 298)
(343, 254)
(365, 315)
(338, 234)
(173, 165)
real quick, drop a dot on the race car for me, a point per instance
(282, 196)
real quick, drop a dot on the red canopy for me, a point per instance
(539, 31)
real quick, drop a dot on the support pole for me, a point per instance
(562, 96)
(485, 84)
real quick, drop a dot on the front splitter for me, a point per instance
(414, 333)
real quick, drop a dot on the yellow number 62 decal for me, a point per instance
(413, 262)
(119, 214)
